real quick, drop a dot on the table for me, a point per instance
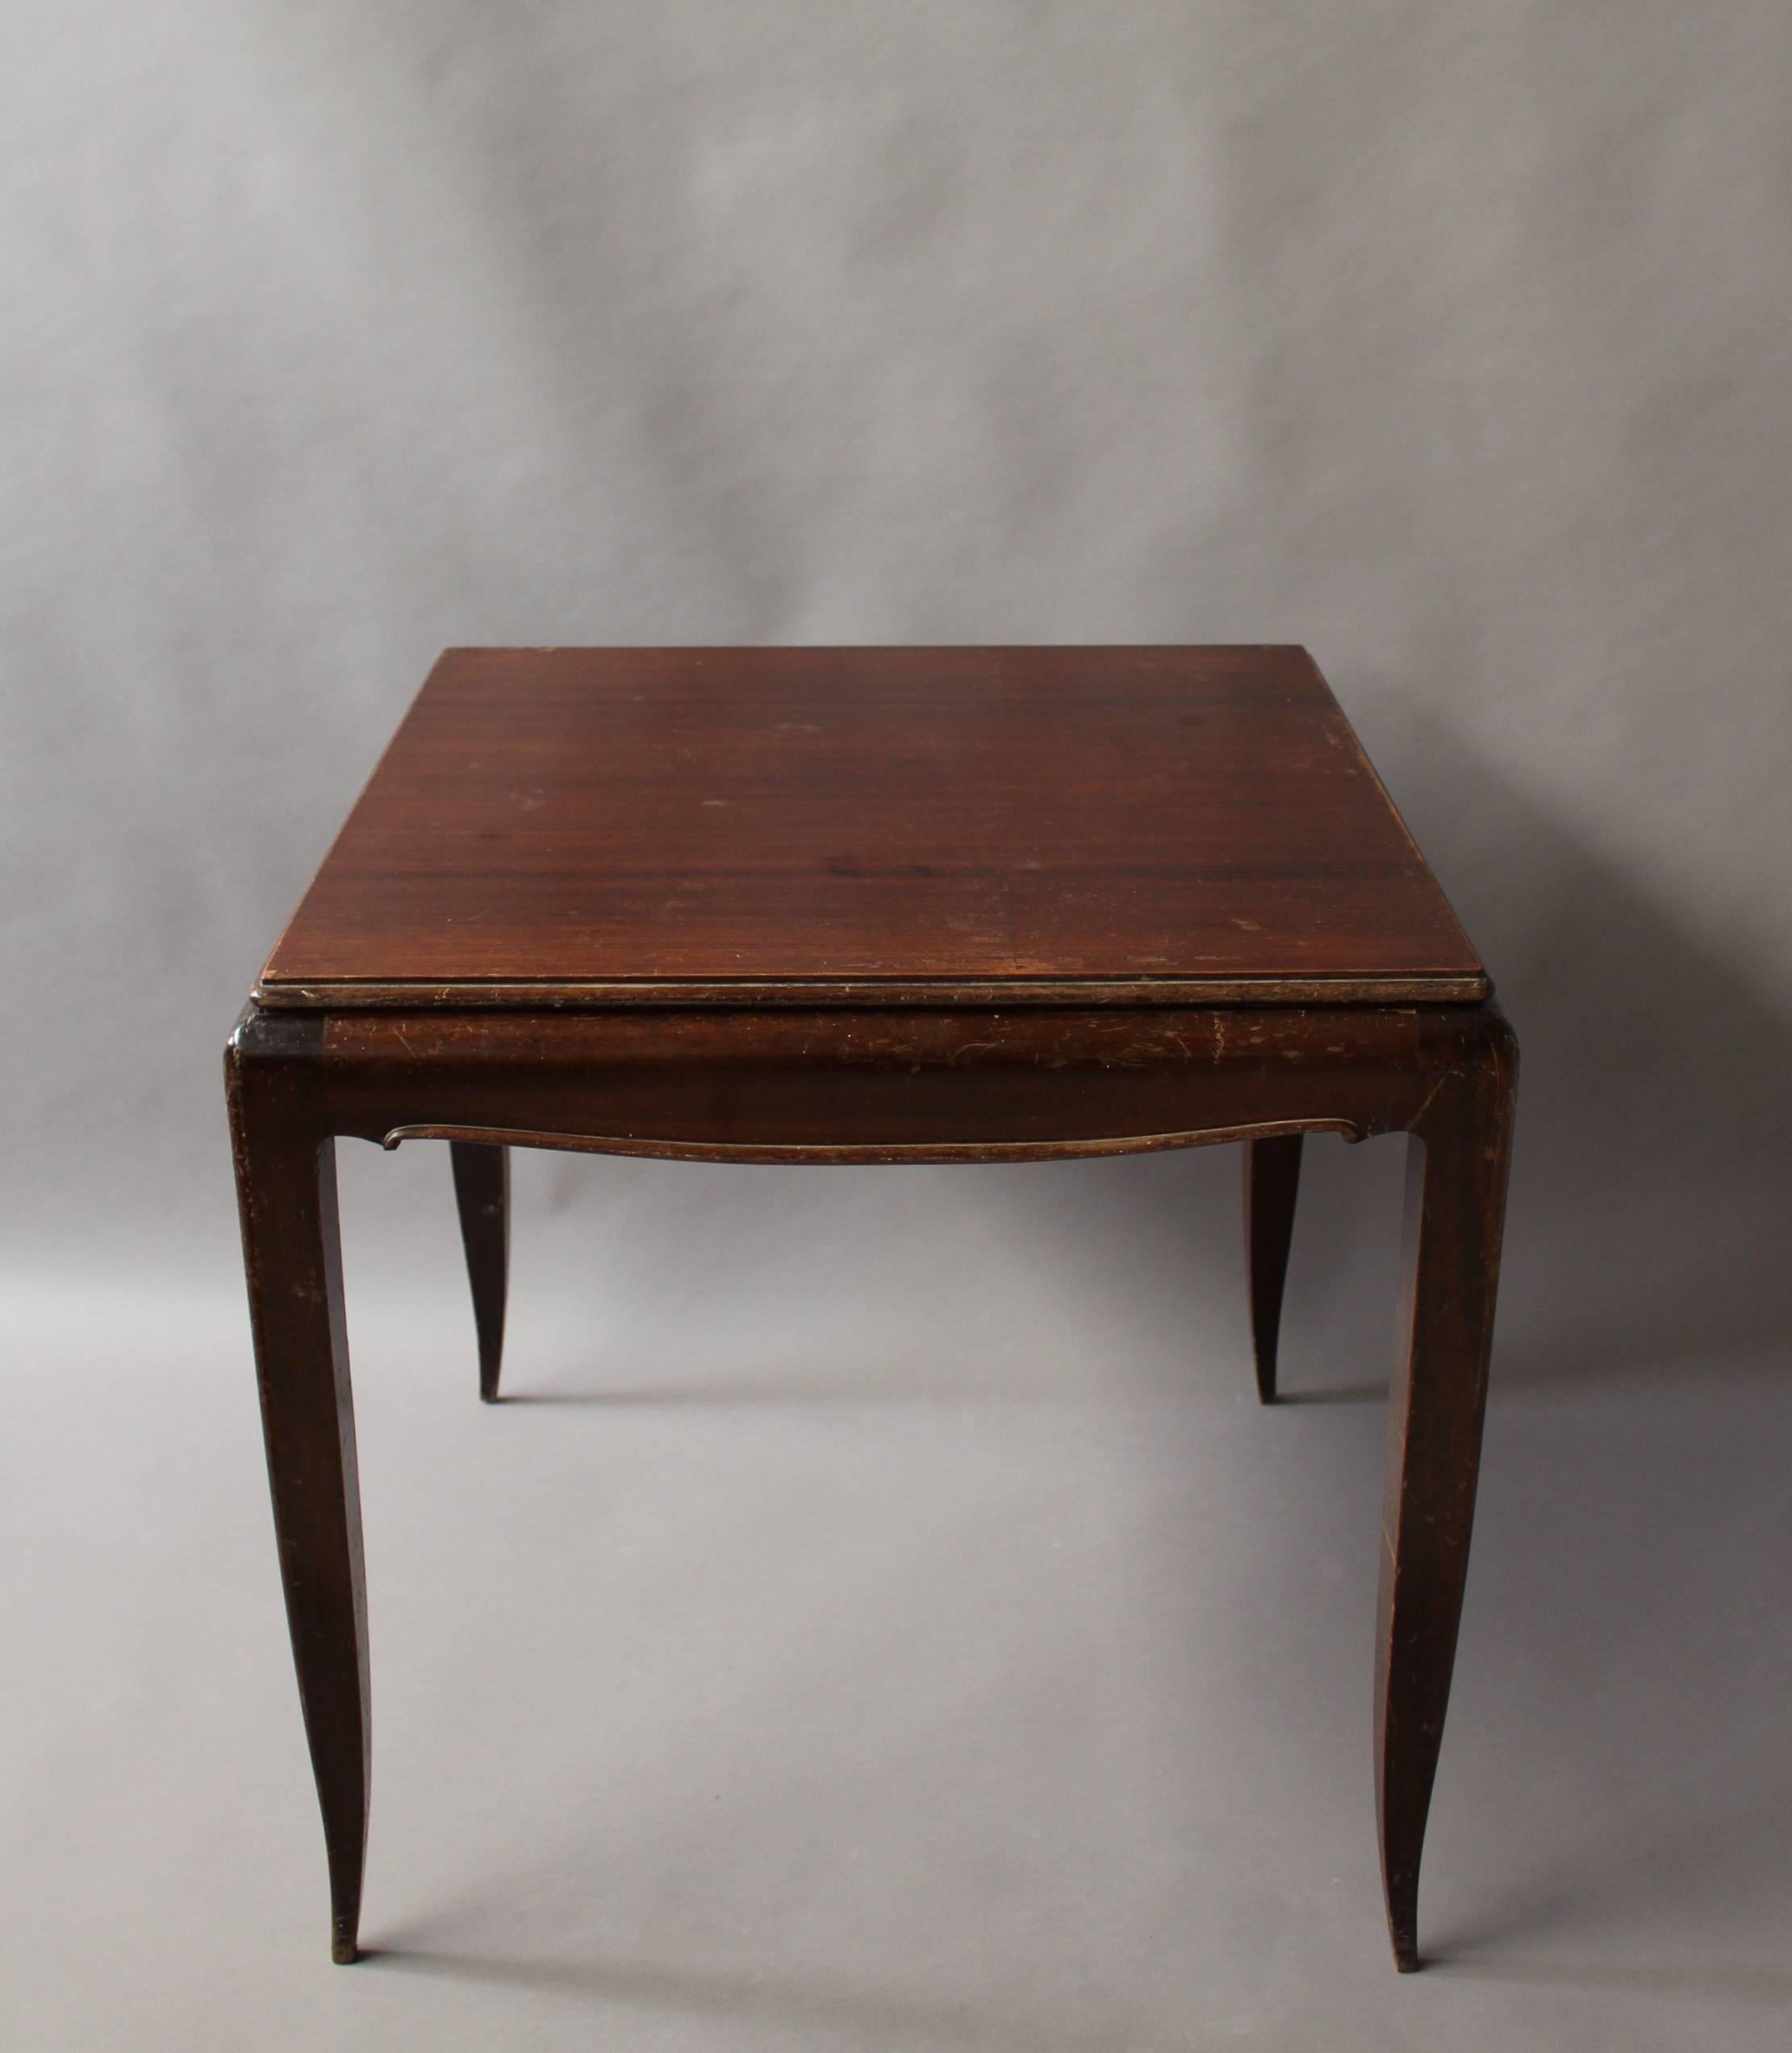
(814, 905)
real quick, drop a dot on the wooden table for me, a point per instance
(874, 906)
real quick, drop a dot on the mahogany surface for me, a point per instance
(978, 825)
(434, 875)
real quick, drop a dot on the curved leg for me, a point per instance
(481, 1190)
(286, 1181)
(1456, 1203)
(1271, 1183)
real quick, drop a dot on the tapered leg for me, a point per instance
(1272, 1184)
(481, 1188)
(1456, 1203)
(285, 1178)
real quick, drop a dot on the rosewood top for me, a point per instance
(969, 825)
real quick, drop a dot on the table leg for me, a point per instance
(1455, 1201)
(481, 1190)
(1272, 1184)
(286, 1181)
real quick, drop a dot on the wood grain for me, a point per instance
(873, 826)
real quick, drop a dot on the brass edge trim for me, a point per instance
(353, 994)
(869, 1151)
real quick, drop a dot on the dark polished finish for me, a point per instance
(1272, 1184)
(824, 827)
(481, 1190)
(285, 1188)
(934, 1046)
(1457, 1159)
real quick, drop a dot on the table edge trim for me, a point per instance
(360, 994)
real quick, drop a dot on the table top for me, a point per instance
(957, 825)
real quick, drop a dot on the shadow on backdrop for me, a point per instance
(1652, 1175)
(867, 2015)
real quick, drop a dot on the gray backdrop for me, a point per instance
(908, 1631)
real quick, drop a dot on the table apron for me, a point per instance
(842, 1088)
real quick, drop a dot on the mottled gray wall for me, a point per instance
(906, 1631)
(1447, 340)
(1451, 339)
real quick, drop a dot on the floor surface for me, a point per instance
(882, 1616)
